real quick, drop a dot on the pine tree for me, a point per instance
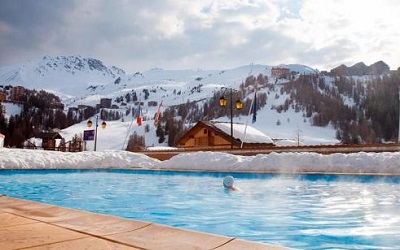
(160, 133)
(136, 142)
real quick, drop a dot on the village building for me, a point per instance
(139, 103)
(57, 105)
(82, 106)
(49, 139)
(152, 103)
(17, 93)
(209, 134)
(54, 141)
(280, 72)
(105, 103)
(3, 96)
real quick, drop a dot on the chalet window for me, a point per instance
(205, 131)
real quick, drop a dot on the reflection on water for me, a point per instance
(306, 212)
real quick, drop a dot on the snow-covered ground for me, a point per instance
(11, 109)
(356, 163)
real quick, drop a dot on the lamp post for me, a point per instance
(103, 125)
(223, 103)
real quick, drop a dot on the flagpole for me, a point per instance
(247, 120)
(157, 117)
(158, 114)
(127, 132)
(251, 107)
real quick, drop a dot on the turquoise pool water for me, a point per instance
(298, 211)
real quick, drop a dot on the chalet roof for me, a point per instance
(49, 135)
(240, 132)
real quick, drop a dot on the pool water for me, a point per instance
(297, 211)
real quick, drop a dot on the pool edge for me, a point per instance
(34, 225)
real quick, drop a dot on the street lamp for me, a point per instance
(238, 104)
(103, 125)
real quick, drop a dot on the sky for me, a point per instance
(138, 35)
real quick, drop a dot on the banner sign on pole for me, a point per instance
(88, 135)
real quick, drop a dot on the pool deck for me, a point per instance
(31, 225)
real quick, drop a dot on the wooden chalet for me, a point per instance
(49, 139)
(216, 135)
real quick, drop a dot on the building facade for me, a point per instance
(17, 93)
(207, 134)
(280, 72)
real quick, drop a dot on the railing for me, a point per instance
(69, 146)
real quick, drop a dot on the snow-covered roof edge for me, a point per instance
(243, 132)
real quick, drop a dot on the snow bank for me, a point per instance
(40, 159)
(382, 163)
(356, 163)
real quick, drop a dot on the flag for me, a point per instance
(157, 116)
(254, 108)
(137, 115)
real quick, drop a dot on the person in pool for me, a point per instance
(228, 183)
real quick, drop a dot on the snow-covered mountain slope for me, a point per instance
(85, 80)
(64, 75)
(79, 80)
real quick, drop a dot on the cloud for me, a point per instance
(27, 26)
(138, 35)
(365, 30)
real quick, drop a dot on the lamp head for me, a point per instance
(239, 104)
(222, 101)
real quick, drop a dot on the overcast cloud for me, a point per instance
(137, 35)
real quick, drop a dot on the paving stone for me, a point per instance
(86, 243)
(162, 237)
(9, 220)
(99, 224)
(238, 244)
(35, 234)
(31, 225)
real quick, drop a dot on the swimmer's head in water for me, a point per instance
(228, 182)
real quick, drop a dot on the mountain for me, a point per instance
(360, 69)
(305, 105)
(65, 75)
(77, 80)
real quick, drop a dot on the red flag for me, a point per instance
(138, 115)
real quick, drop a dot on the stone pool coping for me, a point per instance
(32, 225)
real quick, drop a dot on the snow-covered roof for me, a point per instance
(247, 134)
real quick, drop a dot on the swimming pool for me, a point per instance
(298, 211)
